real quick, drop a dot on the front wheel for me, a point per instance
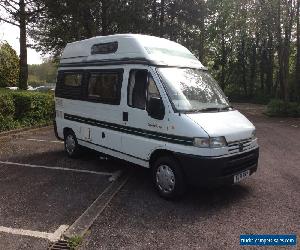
(168, 178)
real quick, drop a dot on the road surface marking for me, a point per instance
(38, 140)
(57, 168)
(85, 221)
(37, 234)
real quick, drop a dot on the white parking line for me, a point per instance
(57, 168)
(37, 234)
(38, 140)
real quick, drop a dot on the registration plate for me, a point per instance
(241, 176)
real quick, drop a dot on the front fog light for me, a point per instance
(212, 142)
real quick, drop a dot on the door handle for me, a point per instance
(125, 116)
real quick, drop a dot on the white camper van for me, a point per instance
(149, 101)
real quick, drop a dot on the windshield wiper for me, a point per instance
(226, 108)
(209, 109)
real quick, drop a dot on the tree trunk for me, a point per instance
(263, 62)
(162, 18)
(269, 66)
(87, 20)
(104, 21)
(284, 47)
(253, 63)
(244, 70)
(23, 77)
(202, 31)
(154, 17)
(297, 73)
(223, 62)
(280, 50)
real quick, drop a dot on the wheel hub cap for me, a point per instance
(165, 179)
(70, 144)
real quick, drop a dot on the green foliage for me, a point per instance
(22, 104)
(42, 73)
(7, 106)
(9, 65)
(250, 46)
(25, 108)
(74, 242)
(281, 108)
(8, 123)
(260, 98)
(234, 93)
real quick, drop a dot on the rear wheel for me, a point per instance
(72, 147)
(168, 178)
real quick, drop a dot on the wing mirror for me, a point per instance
(155, 108)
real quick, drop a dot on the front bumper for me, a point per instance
(211, 171)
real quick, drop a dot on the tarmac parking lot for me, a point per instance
(44, 193)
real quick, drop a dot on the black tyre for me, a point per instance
(72, 147)
(168, 178)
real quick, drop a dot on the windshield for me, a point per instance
(192, 90)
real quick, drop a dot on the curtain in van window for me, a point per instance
(103, 86)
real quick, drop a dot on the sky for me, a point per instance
(11, 34)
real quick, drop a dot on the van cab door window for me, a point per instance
(137, 89)
(141, 87)
(144, 94)
(152, 91)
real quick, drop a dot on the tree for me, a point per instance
(297, 69)
(221, 39)
(285, 18)
(247, 44)
(81, 20)
(42, 73)
(20, 13)
(9, 65)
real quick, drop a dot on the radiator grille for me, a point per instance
(240, 146)
(240, 162)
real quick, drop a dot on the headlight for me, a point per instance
(202, 142)
(212, 142)
(253, 135)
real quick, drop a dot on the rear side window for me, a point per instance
(69, 84)
(105, 87)
(73, 80)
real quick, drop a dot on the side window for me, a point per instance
(152, 90)
(72, 79)
(69, 84)
(137, 88)
(104, 87)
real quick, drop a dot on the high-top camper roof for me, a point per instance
(128, 48)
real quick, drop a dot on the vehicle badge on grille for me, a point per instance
(241, 147)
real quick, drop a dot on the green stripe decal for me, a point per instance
(130, 130)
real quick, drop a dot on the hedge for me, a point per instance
(284, 109)
(25, 109)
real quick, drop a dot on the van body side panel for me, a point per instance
(144, 134)
(91, 130)
(78, 113)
